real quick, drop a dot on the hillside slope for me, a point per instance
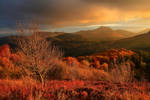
(136, 42)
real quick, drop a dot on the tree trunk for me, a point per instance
(42, 80)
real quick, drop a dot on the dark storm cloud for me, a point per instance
(52, 12)
(122, 4)
(56, 12)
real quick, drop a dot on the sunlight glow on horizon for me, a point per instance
(76, 15)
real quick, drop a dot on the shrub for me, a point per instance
(121, 73)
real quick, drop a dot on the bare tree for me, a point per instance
(38, 55)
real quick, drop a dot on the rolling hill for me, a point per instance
(91, 41)
(137, 42)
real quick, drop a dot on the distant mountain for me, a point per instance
(137, 42)
(105, 34)
(100, 34)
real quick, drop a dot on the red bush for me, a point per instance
(5, 51)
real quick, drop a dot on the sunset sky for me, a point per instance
(75, 15)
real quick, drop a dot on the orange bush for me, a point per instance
(71, 61)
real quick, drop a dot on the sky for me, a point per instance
(75, 15)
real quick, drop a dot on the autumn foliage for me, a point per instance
(73, 90)
(101, 60)
(6, 57)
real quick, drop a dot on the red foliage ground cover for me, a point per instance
(73, 90)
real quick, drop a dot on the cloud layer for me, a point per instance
(61, 13)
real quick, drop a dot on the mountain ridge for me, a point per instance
(105, 33)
